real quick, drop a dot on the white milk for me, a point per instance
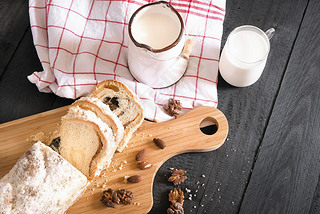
(156, 30)
(244, 56)
(157, 37)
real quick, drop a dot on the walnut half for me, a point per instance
(173, 107)
(176, 196)
(125, 196)
(177, 176)
(109, 198)
(175, 208)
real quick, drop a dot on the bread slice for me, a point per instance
(125, 104)
(41, 182)
(85, 141)
(104, 113)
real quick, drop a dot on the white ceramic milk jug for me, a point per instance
(157, 37)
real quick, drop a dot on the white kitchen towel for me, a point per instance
(82, 42)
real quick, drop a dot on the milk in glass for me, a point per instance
(244, 56)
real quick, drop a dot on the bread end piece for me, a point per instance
(41, 180)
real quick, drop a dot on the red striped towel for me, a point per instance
(82, 42)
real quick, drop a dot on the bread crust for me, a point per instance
(102, 158)
(24, 189)
(41, 180)
(98, 92)
(97, 106)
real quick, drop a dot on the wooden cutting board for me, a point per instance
(180, 135)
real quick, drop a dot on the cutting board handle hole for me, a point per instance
(208, 126)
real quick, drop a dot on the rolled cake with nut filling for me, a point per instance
(125, 104)
(85, 141)
(104, 113)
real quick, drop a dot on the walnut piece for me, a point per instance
(113, 102)
(125, 196)
(109, 198)
(176, 196)
(177, 176)
(55, 144)
(144, 165)
(173, 107)
(175, 208)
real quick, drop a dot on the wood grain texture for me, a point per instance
(190, 139)
(19, 97)
(14, 22)
(315, 206)
(228, 169)
(287, 170)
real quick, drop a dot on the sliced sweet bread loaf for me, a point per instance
(104, 113)
(125, 104)
(41, 181)
(85, 141)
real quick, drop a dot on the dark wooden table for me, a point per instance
(270, 162)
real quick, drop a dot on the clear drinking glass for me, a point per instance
(244, 55)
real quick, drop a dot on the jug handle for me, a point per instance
(270, 33)
(187, 49)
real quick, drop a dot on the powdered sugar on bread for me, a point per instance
(41, 181)
(44, 181)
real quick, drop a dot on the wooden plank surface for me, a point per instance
(228, 169)
(190, 139)
(13, 24)
(20, 98)
(287, 170)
